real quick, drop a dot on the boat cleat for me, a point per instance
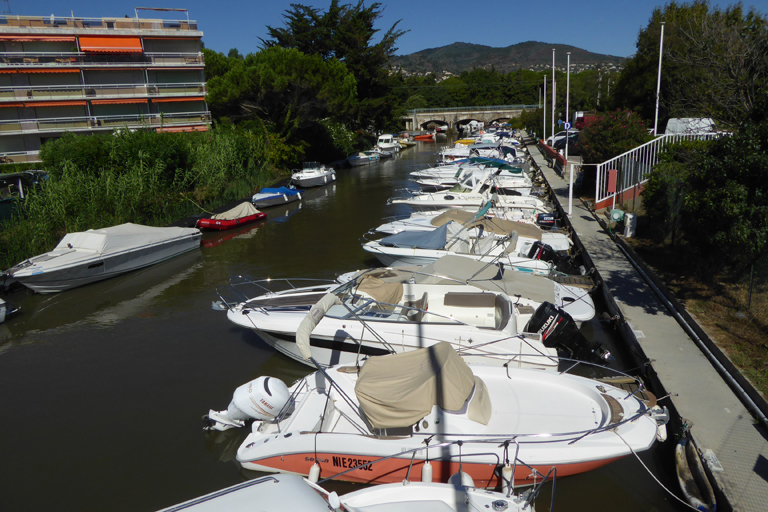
(661, 416)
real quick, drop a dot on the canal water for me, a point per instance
(102, 388)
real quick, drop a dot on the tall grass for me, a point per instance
(141, 177)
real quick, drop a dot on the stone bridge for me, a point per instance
(420, 118)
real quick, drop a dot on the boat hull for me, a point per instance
(310, 181)
(229, 224)
(99, 268)
(274, 200)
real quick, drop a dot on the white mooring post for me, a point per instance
(570, 193)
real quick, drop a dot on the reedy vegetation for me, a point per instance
(141, 177)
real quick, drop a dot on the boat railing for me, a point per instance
(244, 288)
(528, 496)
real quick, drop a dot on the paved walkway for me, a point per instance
(720, 422)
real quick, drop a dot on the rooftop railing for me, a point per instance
(59, 22)
(85, 123)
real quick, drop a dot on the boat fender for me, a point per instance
(260, 399)
(426, 472)
(506, 479)
(314, 473)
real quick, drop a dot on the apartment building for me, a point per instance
(89, 75)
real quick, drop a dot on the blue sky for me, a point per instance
(601, 26)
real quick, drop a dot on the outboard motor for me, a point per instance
(558, 330)
(260, 399)
(545, 220)
(541, 251)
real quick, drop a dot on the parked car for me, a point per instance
(558, 136)
(573, 144)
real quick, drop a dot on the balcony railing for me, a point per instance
(111, 91)
(64, 23)
(20, 60)
(62, 124)
(16, 157)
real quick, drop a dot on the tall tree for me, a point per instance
(345, 33)
(715, 64)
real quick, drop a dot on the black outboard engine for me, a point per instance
(544, 252)
(545, 220)
(558, 330)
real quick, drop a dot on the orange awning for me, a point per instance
(49, 70)
(7, 70)
(173, 38)
(28, 38)
(110, 44)
(54, 104)
(118, 101)
(11, 104)
(168, 100)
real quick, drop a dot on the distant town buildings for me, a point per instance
(89, 75)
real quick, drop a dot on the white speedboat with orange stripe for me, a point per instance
(429, 406)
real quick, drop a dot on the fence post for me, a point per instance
(570, 193)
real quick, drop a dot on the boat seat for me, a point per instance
(502, 312)
(420, 306)
(470, 299)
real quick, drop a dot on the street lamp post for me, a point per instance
(554, 85)
(658, 83)
(567, 102)
(544, 125)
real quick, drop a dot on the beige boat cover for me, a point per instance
(244, 209)
(308, 324)
(492, 224)
(398, 390)
(381, 291)
(122, 237)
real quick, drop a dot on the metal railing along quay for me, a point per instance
(626, 172)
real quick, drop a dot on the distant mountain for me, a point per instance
(458, 57)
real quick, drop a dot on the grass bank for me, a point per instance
(731, 306)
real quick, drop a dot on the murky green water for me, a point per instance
(102, 388)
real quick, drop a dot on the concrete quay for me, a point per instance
(734, 444)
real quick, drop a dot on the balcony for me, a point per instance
(65, 92)
(19, 157)
(32, 60)
(79, 124)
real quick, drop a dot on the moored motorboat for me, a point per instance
(6, 309)
(379, 311)
(275, 196)
(241, 214)
(96, 254)
(288, 492)
(425, 137)
(313, 174)
(363, 158)
(428, 405)
(388, 142)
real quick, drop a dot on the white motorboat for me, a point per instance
(388, 142)
(429, 405)
(463, 197)
(275, 197)
(96, 254)
(288, 492)
(507, 180)
(423, 247)
(480, 224)
(363, 158)
(6, 309)
(313, 174)
(379, 311)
